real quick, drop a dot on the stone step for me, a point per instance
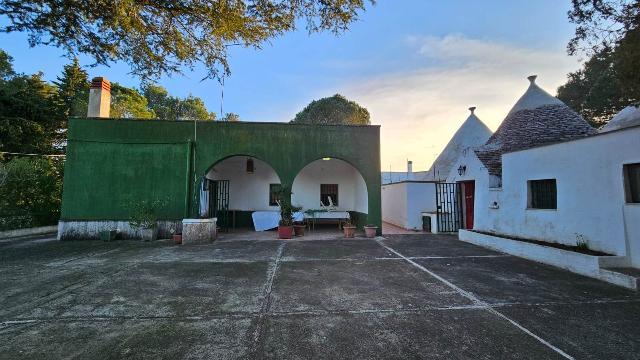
(623, 276)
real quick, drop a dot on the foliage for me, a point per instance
(6, 69)
(173, 108)
(595, 91)
(608, 32)
(144, 212)
(73, 89)
(334, 110)
(162, 37)
(231, 117)
(128, 103)
(600, 24)
(31, 191)
(31, 115)
(286, 209)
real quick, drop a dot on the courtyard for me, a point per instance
(401, 296)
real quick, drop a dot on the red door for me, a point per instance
(469, 192)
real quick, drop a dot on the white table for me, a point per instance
(327, 215)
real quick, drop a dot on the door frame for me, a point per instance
(466, 206)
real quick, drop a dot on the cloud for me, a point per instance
(419, 110)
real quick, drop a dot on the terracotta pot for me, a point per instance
(285, 232)
(299, 229)
(370, 231)
(177, 239)
(349, 231)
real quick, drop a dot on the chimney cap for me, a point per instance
(472, 109)
(100, 82)
(532, 78)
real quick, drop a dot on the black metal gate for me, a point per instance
(219, 202)
(448, 207)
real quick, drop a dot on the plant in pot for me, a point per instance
(177, 237)
(370, 230)
(143, 217)
(108, 235)
(285, 225)
(298, 228)
(349, 228)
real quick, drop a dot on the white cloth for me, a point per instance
(204, 202)
(266, 220)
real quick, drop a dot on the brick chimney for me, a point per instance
(99, 98)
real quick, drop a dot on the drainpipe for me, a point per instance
(187, 188)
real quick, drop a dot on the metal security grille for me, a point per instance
(329, 190)
(219, 205)
(543, 194)
(448, 209)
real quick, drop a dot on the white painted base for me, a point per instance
(582, 264)
(90, 230)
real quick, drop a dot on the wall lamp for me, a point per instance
(462, 169)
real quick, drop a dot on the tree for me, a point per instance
(129, 103)
(31, 192)
(231, 117)
(73, 89)
(334, 110)
(161, 37)
(595, 91)
(600, 24)
(173, 108)
(31, 115)
(6, 67)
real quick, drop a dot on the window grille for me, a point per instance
(543, 194)
(274, 194)
(329, 190)
(632, 182)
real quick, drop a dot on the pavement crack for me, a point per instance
(257, 339)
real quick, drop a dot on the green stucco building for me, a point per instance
(112, 163)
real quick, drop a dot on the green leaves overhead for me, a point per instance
(162, 37)
(334, 110)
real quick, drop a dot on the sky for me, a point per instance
(416, 65)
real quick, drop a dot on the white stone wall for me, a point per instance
(590, 188)
(352, 190)
(248, 192)
(403, 203)
(394, 204)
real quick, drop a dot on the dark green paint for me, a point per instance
(112, 161)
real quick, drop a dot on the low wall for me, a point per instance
(28, 232)
(90, 230)
(578, 263)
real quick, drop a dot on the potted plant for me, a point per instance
(177, 238)
(143, 217)
(370, 230)
(349, 229)
(298, 228)
(285, 225)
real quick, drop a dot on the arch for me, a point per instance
(247, 191)
(352, 191)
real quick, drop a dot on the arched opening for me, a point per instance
(237, 187)
(329, 186)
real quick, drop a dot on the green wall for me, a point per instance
(111, 162)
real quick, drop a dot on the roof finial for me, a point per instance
(472, 109)
(532, 78)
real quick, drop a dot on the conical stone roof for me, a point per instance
(627, 117)
(536, 119)
(472, 133)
